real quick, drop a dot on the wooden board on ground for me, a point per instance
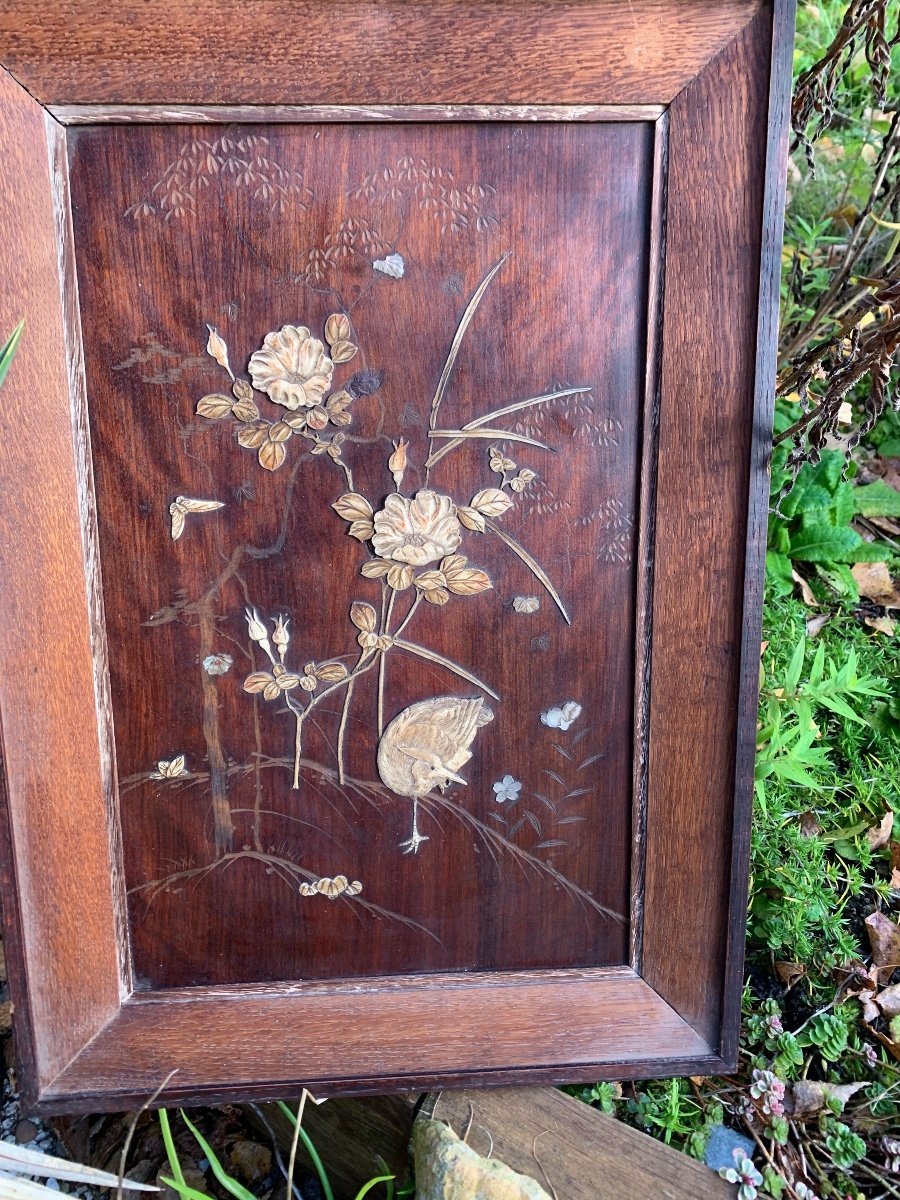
(571, 1149)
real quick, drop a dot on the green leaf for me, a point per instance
(803, 497)
(821, 542)
(169, 1143)
(9, 349)
(228, 1183)
(367, 1187)
(877, 499)
(784, 768)
(795, 667)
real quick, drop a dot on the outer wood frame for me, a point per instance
(718, 75)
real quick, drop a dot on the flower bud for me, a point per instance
(281, 637)
(397, 461)
(255, 627)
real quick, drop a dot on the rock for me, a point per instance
(721, 1146)
(448, 1169)
(250, 1161)
(26, 1131)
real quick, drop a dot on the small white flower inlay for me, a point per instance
(562, 717)
(507, 789)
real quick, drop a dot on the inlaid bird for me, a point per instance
(425, 746)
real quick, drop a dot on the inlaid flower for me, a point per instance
(507, 790)
(292, 368)
(563, 716)
(417, 531)
(217, 664)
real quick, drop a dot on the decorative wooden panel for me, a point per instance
(413, 672)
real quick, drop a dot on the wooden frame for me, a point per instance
(716, 78)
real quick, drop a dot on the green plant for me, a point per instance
(8, 349)
(236, 1189)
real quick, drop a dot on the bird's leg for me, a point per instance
(411, 846)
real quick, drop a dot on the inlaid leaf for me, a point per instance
(251, 437)
(331, 672)
(362, 530)
(471, 518)
(214, 407)
(337, 329)
(288, 682)
(280, 431)
(468, 582)
(271, 691)
(216, 347)
(177, 514)
(258, 681)
(363, 616)
(399, 576)
(197, 506)
(271, 455)
(245, 410)
(343, 351)
(430, 580)
(242, 389)
(491, 502)
(438, 595)
(375, 568)
(353, 507)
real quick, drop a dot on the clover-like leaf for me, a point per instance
(491, 502)
(245, 410)
(331, 672)
(215, 406)
(177, 514)
(287, 683)
(280, 431)
(375, 568)
(353, 507)
(430, 580)
(337, 329)
(362, 530)
(191, 505)
(399, 577)
(468, 582)
(271, 455)
(271, 691)
(251, 437)
(363, 616)
(242, 389)
(471, 518)
(343, 351)
(258, 681)
(437, 595)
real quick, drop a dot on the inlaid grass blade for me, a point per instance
(530, 563)
(421, 652)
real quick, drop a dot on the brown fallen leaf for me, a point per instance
(884, 937)
(885, 525)
(789, 972)
(874, 582)
(809, 826)
(809, 1096)
(879, 835)
(888, 1001)
(885, 625)
(815, 625)
(805, 590)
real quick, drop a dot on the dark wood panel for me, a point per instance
(718, 138)
(402, 1037)
(59, 929)
(395, 52)
(210, 857)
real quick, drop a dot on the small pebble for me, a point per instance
(53, 1184)
(26, 1131)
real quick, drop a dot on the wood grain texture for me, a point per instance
(718, 140)
(403, 51)
(287, 114)
(58, 906)
(758, 509)
(377, 1038)
(572, 204)
(571, 1149)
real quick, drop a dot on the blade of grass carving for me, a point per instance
(9, 349)
(497, 434)
(479, 422)
(530, 563)
(421, 652)
(464, 323)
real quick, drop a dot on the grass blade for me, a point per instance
(9, 349)
(479, 422)
(464, 323)
(169, 1143)
(431, 656)
(228, 1183)
(310, 1150)
(367, 1187)
(499, 434)
(533, 566)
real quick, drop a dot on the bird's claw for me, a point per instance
(411, 846)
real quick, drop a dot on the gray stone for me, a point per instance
(722, 1144)
(448, 1169)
